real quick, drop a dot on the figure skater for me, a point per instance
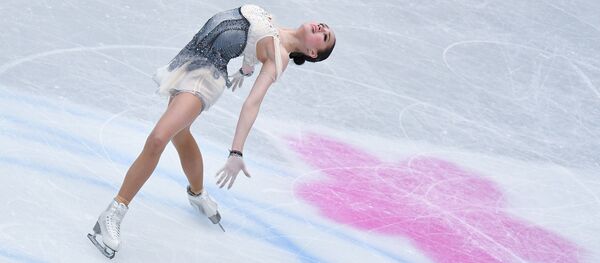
(194, 80)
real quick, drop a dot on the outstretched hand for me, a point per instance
(229, 172)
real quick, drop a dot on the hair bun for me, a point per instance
(299, 60)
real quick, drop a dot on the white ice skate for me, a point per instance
(108, 227)
(206, 205)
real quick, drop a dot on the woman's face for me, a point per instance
(317, 37)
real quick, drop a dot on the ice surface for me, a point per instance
(438, 131)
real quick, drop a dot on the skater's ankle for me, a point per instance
(122, 200)
(193, 191)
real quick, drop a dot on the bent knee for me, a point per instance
(156, 143)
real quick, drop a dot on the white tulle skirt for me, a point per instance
(205, 82)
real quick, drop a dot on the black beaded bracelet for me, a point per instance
(246, 74)
(235, 152)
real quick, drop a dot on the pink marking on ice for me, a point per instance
(451, 214)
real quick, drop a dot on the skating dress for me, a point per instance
(201, 66)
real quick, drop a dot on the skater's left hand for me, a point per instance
(230, 171)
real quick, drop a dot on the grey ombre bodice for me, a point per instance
(227, 35)
(222, 38)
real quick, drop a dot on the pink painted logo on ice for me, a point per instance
(451, 214)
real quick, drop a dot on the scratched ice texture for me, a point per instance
(437, 131)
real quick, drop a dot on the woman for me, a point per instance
(194, 80)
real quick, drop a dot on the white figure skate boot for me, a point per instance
(206, 205)
(108, 226)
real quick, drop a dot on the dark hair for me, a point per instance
(299, 57)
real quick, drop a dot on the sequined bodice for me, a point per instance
(224, 36)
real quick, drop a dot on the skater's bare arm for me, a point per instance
(228, 174)
(251, 106)
(249, 112)
(268, 75)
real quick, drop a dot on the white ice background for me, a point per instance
(508, 87)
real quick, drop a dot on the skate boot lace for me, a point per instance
(113, 222)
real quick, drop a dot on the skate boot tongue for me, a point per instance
(121, 210)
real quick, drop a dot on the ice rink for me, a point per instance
(437, 131)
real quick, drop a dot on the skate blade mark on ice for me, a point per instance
(105, 250)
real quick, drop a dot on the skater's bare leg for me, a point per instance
(181, 112)
(190, 157)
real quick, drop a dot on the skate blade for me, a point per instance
(107, 252)
(215, 219)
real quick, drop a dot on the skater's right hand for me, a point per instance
(238, 78)
(230, 171)
(236, 81)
